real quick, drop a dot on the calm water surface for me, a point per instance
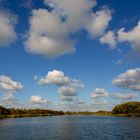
(70, 128)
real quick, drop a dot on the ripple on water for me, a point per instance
(70, 128)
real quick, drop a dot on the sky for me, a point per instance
(70, 55)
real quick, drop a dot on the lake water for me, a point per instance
(70, 128)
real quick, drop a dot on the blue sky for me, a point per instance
(46, 44)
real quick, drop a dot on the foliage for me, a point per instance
(129, 108)
(12, 112)
(125, 109)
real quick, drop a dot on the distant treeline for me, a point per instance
(127, 109)
(11, 112)
(16, 113)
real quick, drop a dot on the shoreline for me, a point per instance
(49, 115)
(129, 109)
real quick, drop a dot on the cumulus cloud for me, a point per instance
(80, 105)
(54, 77)
(79, 102)
(50, 31)
(132, 36)
(66, 86)
(37, 100)
(76, 83)
(109, 38)
(67, 91)
(9, 100)
(58, 78)
(129, 79)
(125, 96)
(9, 87)
(99, 92)
(98, 103)
(7, 31)
(72, 105)
(99, 22)
(66, 98)
(76, 12)
(47, 35)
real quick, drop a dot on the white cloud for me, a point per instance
(66, 98)
(125, 96)
(72, 100)
(7, 84)
(54, 77)
(10, 87)
(76, 83)
(9, 100)
(37, 100)
(50, 31)
(98, 103)
(129, 79)
(67, 91)
(99, 92)
(132, 36)
(71, 105)
(58, 78)
(109, 38)
(76, 11)
(47, 35)
(79, 102)
(7, 31)
(67, 86)
(99, 22)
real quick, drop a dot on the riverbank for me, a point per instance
(129, 109)
(76, 114)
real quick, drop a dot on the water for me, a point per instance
(70, 128)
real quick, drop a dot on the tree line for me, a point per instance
(12, 112)
(125, 109)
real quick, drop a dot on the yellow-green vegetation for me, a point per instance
(127, 109)
(98, 113)
(103, 113)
